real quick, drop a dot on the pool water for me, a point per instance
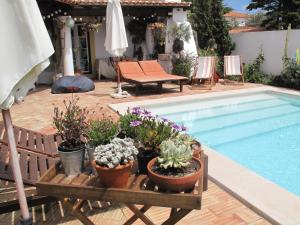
(260, 131)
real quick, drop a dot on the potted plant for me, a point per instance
(99, 132)
(175, 169)
(113, 162)
(71, 125)
(181, 33)
(150, 131)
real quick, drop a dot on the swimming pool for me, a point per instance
(260, 131)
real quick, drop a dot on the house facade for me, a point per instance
(77, 28)
(237, 19)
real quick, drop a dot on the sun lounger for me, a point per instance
(233, 66)
(37, 153)
(132, 72)
(205, 69)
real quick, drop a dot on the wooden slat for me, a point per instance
(23, 138)
(80, 179)
(39, 142)
(17, 134)
(31, 140)
(3, 158)
(24, 164)
(42, 163)
(33, 168)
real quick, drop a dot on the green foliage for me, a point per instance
(101, 132)
(207, 52)
(256, 19)
(252, 71)
(279, 13)
(290, 76)
(182, 65)
(174, 153)
(181, 32)
(125, 121)
(71, 123)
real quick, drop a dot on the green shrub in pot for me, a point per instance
(100, 132)
(71, 125)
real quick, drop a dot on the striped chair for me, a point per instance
(205, 69)
(233, 66)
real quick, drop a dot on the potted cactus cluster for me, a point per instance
(158, 146)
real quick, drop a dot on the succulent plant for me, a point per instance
(174, 153)
(118, 152)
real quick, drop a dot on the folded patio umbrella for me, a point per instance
(116, 39)
(25, 48)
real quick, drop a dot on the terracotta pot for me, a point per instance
(114, 178)
(175, 184)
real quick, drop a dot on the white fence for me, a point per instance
(272, 43)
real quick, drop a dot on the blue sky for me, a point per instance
(237, 5)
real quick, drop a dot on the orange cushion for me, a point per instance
(130, 68)
(151, 67)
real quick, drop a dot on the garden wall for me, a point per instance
(272, 43)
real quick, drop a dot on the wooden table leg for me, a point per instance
(75, 209)
(132, 219)
(140, 214)
(176, 216)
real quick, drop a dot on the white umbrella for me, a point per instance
(116, 39)
(25, 48)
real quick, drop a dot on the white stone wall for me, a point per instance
(272, 43)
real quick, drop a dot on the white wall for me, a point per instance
(272, 43)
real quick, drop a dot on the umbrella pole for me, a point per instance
(14, 161)
(119, 81)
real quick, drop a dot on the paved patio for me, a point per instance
(219, 207)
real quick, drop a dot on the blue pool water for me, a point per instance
(260, 131)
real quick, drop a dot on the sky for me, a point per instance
(237, 5)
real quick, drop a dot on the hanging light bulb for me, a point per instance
(65, 13)
(52, 14)
(48, 16)
(59, 10)
(44, 17)
(56, 12)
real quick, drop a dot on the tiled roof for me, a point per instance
(128, 3)
(245, 29)
(234, 14)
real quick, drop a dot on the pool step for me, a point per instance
(196, 105)
(224, 110)
(240, 131)
(232, 119)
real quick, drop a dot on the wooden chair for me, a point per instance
(205, 70)
(37, 153)
(233, 66)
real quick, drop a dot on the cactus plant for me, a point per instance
(118, 152)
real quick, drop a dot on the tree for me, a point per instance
(201, 21)
(220, 29)
(256, 19)
(279, 13)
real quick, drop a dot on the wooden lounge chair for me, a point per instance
(37, 153)
(132, 72)
(233, 66)
(154, 69)
(205, 70)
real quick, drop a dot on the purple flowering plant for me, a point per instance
(148, 129)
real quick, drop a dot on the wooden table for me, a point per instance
(139, 191)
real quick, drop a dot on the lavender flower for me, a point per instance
(135, 123)
(176, 127)
(137, 111)
(183, 128)
(146, 112)
(165, 120)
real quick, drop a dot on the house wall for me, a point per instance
(248, 45)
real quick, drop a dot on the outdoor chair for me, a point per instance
(205, 70)
(131, 72)
(233, 66)
(37, 153)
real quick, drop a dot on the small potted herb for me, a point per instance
(99, 132)
(175, 169)
(71, 125)
(113, 162)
